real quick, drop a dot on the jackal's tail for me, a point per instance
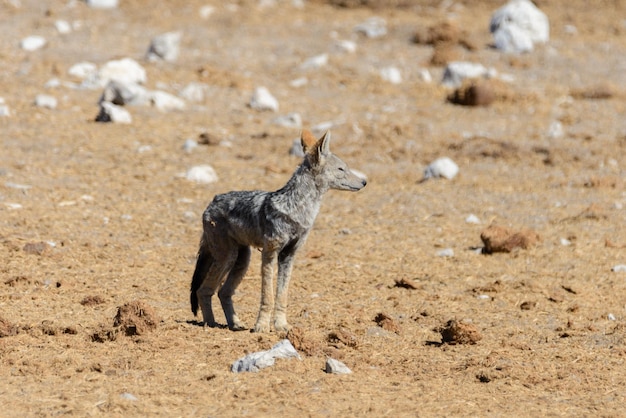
(205, 259)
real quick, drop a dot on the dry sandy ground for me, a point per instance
(94, 216)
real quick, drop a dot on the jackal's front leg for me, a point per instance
(267, 292)
(285, 266)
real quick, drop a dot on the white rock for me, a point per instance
(262, 99)
(122, 94)
(610, 317)
(102, 4)
(83, 70)
(315, 62)
(446, 252)
(206, 11)
(166, 102)
(128, 396)
(425, 76)
(391, 74)
(346, 46)
(620, 268)
(202, 174)
(457, 71)
(125, 70)
(290, 120)
(113, 113)
(47, 101)
(63, 27)
(296, 148)
(472, 219)
(555, 130)
(299, 82)
(441, 167)
(254, 362)
(193, 92)
(190, 145)
(4, 108)
(374, 27)
(518, 25)
(336, 367)
(33, 43)
(565, 242)
(164, 47)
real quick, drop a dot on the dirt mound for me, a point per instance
(135, 318)
(459, 332)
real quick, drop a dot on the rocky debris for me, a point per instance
(110, 112)
(135, 318)
(202, 174)
(336, 367)
(165, 47)
(499, 239)
(457, 71)
(7, 329)
(46, 101)
(473, 93)
(102, 4)
(125, 70)
(254, 362)
(121, 94)
(391, 75)
(33, 43)
(518, 26)
(263, 100)
(441, 167)
(387, 323)
(374, 27)
(459, 332)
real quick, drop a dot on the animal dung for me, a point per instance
(499, 239)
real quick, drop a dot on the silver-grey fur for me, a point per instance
(277, 222)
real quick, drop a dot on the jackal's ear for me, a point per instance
(307, 140)
(323, 145)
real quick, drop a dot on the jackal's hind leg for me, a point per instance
(211, 283)
(230, 285)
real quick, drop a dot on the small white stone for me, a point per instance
(190, 145)
(193, 92)
(610, 317)
(299, 82)
(47, 101)
(262, 100)
(565, 242)
(33, 43)
(62, 26)
(374, 27)
(125, 70)
(12, 206)
(518, 25)
(315, 62)
(620, 268)
(83, 70)
(290, 120)
(472, 219)
(113, 113)
(483, 297)
(166, 102)
(555, 130)
(202, 174)
(123, 94)
(447, 252)
(206, 11)
(457, 71)
(336, 367)
(346, 46)
(425, 76)
(164, 47)
(102, 4)
(128, 396)
(441, 167)
(391, 74)
(4, 108)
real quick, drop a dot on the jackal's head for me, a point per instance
(329, 170)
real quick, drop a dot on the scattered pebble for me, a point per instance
(499, 239)
(63, 27)
(518, 25)
(346, 46)
(125, 70)
(164, 47)
(391, 74)
(425, 76)
(202, 174)
(447, 252)
(102, 4)
(457, 71)
(190, 145)
(47, 101)
(441, 167)
(459, 332)
(166, 102)
(83, 70)
(128, 396)
(254, 362)
(206, 11)
(565, 242)
(193, 92)
(336, 367)
(110, 112)
(33, 43)
(4, 108)
(620, 268)
(374, 27)
(263, 100)
(555, 130)
(611, 317)
(290, 120)
(315, 62)
(122, 94)
(472, 219)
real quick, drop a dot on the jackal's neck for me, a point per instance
(301, 196)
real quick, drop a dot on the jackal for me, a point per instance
(276, 222)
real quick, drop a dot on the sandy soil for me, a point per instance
(95, 217)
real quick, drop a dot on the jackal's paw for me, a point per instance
(281, 326)
(238, 327)
(261, 327)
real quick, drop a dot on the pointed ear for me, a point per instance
(323, 145)
(307, 140)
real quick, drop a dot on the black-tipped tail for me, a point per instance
(202, 267)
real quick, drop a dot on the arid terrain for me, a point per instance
(99, 227)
